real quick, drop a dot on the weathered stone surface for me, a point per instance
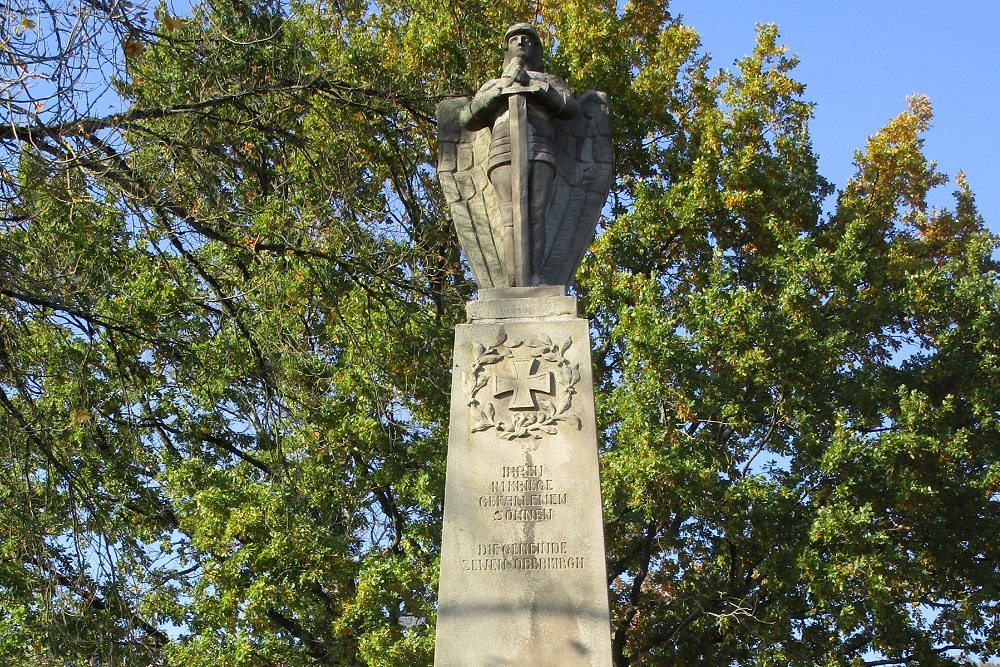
(511, 303)
(503, 293)
(553, 306)
(523, 579)
(530, 230)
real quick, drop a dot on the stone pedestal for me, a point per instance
(523, 579)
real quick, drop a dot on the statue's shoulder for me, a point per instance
(488, 84)
(449, 122)
(550, 79)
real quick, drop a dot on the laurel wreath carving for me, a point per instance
(549, 413)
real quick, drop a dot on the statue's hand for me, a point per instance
(540, 88)
(515, 72)
(543, 93)
(556, 98)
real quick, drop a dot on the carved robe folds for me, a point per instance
(581, 152)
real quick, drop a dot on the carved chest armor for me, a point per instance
(540, 135)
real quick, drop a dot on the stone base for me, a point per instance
(521, 303)
(523, 580)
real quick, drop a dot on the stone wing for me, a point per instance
(584, 170)
(462, 159)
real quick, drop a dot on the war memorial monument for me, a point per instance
(526, 167)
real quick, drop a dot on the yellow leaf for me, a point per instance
(132, 48)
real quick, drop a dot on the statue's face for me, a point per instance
(524, 46)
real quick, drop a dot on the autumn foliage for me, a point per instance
(226, 312)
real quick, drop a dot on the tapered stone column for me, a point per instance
(523, 579)
(525, 167)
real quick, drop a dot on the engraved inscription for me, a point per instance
(520, 485)
(523, 514)
(526, 478)
(522, 493)
(531, 563)
(499, 556)
(520, 548)
(527, 500)
(522, 471)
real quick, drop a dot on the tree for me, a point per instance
(225, 326)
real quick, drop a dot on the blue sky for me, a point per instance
(860, 60)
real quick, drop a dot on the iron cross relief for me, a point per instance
(522, 384)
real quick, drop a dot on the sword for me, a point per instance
(517, 108)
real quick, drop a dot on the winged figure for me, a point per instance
(526, 169)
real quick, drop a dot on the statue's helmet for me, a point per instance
(535, 52)
(521, 29)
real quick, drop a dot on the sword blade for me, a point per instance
(517, 110)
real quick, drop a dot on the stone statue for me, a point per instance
(526, 169)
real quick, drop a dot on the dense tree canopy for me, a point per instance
(226, 309)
